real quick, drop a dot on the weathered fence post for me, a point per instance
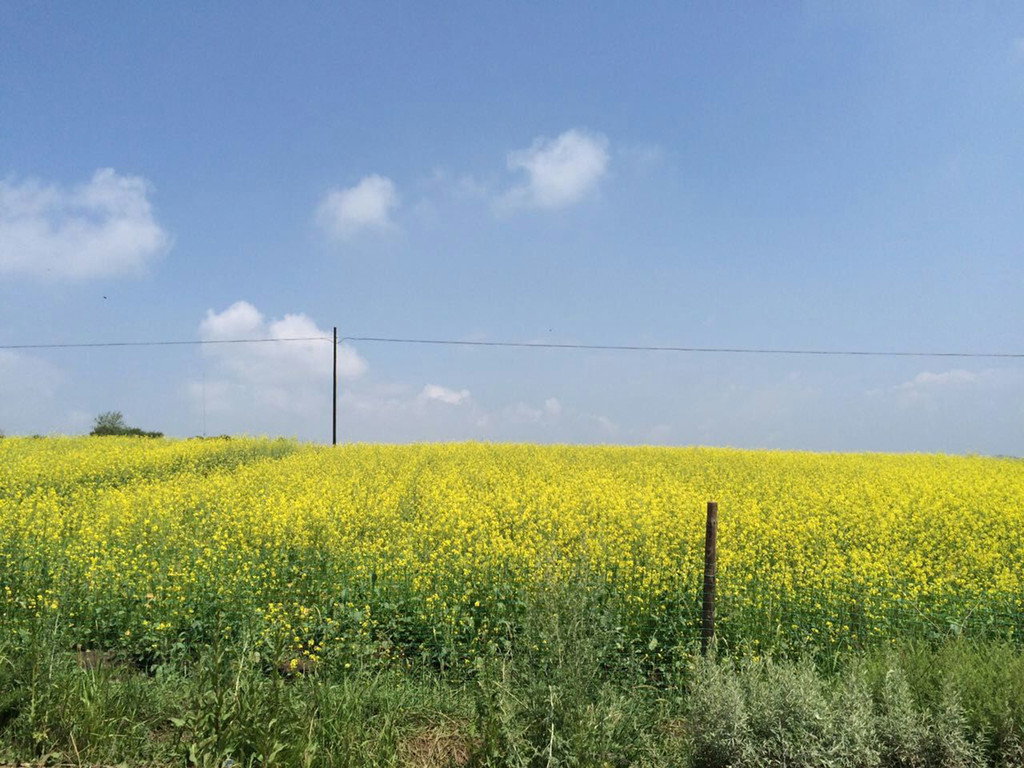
(707, 621)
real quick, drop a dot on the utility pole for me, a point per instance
(334, 393)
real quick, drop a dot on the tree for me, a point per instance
(109, 423)
(113, 423)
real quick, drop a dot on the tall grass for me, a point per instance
(561, 692)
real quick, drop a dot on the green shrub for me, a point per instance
(715, 721)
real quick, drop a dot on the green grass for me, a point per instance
(561, 693)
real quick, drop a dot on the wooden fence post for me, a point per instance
(707, 622)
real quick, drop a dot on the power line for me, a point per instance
(535, 345)
(163, 343)
(714, 350)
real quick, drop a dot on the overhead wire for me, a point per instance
(533, 345)
(713, 350)
(192, 342)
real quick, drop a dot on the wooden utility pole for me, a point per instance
(334, 393)
(707, 622)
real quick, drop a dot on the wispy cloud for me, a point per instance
(559, 172)
(445, 395)
(546, 413)
(102, 228)
(30, 386)
(343, 212)
(641, 158)
(935, 388)
(955, 378)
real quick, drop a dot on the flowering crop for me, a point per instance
(429, 551)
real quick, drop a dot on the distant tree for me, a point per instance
(113, 423)
(109, 423)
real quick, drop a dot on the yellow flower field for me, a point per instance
(430, 550)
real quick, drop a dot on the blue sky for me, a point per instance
(803, 176)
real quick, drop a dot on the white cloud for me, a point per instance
(102, 228)
(286, 377)
(552, 407)
(445, 395)
(559, 171)
(366, 206)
